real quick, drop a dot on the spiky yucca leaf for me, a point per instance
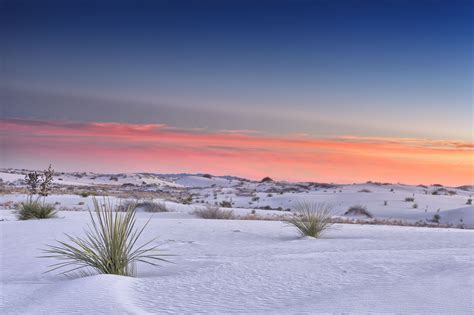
(312, 218)
(109, 247)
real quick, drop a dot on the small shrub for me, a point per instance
(269, 195)
(409, 199)
(84, 194)
(365, 190)
(213, 212)
(436, 218)
(266, 179)
(109, 247)
(80, 203)
(415, 206)
(150, 206)
(469, 201)
(256, 198)
(385, 203)
(358, 210)
(226, 204)
(311, 219)
(35, 210)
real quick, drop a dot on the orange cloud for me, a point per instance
(109, 146)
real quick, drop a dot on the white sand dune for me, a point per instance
(248, 267)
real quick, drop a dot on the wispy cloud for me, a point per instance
(111, 146)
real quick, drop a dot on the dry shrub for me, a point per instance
(214, 212)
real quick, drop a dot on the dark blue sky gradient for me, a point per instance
(394, 67)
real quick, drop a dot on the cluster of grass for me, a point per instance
(35, 210)
(358, 210)
(311, 219)
(109, 247)
(213, 212)
(225, 204)
(150, 206)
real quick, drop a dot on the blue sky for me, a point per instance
(365, 68)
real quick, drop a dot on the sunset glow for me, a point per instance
(108, 146)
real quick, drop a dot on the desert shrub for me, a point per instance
(81, 203)
(35, 210)
(84, 194)
(266, 179)
(188, 200)
(436, 218)
(109, 247)
(409, 199)
(469, 201)
(256, 198)
(365, 190)
(226, 204)
(311, 219)
(213, 212)
(358, 210)
(385, 203)
(415, 206)
(269, 195)
(150, 206)
(39, 186)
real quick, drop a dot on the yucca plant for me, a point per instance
(109, 247)
(312, 218)
(35, 210)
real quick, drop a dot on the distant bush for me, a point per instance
(358, 210)
(84, 194)
(256, 198)
(365, 190)
(415, 206)
(385, 202)
(266, 179)
(213, 212)
(207, 176)
(35, 210)
(436, 218)
(109, 247)
(311, 219)
(150, 206)
(409, 199)
(469, 201)
(226, 204)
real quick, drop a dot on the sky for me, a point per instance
(339, 91)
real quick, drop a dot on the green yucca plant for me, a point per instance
(312, 218)
(109, 247)
(35, 210)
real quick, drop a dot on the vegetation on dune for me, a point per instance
(110, 246)
(311, 219)
(358, 210)
(35, 207)
(213, 212)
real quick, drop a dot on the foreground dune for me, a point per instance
(248, 267)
